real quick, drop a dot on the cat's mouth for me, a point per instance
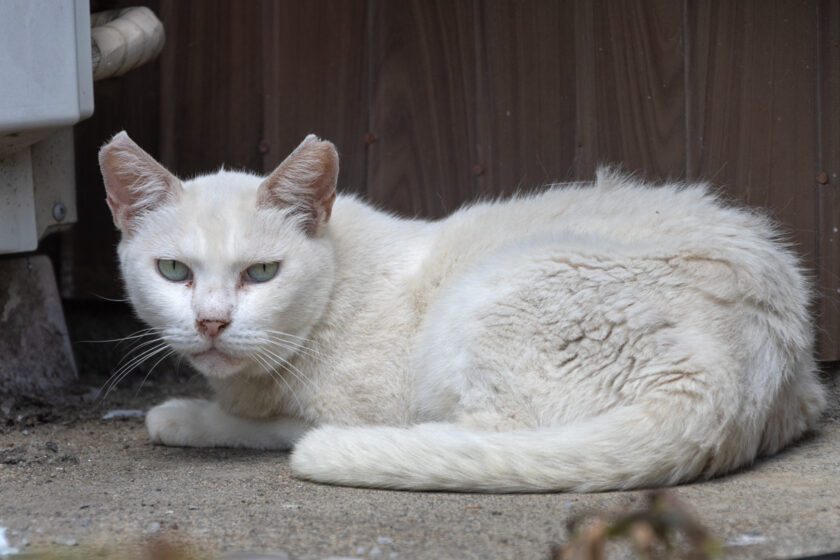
(213, 352)
(214, 361)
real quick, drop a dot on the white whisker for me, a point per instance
(265, 363)
(299, 341)
(135, 335)
(140, 346)
(294, 347)
(120, 300)
(166, 355)
(285, 364)
(289, 335)
(128, 367)
(300, 344)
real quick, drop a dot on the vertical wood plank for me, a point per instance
(525, 94)
(422, 63)
(751, 105)
(315, 79)
(132, 103)
(211, 85)
(828, 185)
(630, 86)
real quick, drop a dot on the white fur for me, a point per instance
(590, 337)
(199, 423)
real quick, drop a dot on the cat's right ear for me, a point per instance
(135, 183)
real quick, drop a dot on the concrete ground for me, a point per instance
(73, 484)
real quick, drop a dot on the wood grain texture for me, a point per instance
(525, 94)
(480, 97)
(211, 85)
(131, 102)
(315, 81)
(630, 86)
(422, 112)
(828, 186)
(751, 124)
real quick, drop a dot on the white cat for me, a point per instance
(590, 337)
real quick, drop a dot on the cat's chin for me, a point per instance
(214, 363)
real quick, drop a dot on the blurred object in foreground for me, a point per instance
(664, 528)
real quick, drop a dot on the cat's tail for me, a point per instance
(617, 450)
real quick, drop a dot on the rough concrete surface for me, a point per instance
(34, 334)
(77, 485)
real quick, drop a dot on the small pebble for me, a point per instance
(123, 414)
(153, 527)
(192, 507)
(52, 446)
(66, 541)
(747, 539)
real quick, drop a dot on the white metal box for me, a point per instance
(45, 64)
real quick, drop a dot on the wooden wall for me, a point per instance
(432, 103)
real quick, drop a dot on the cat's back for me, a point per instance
(618, 216)
(683, 238)
(615, 208)
(611, 270)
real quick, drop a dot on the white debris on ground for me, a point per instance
(746, 539)
(5, 549)
(123, 414)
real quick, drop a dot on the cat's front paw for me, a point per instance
(178, 423)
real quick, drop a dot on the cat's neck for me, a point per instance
(374, 251)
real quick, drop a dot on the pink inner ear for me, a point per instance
(134, 181)
(113, 206)
(305, 180)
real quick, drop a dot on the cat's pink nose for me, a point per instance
(211, 327)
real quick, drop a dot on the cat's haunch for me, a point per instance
(587, 337)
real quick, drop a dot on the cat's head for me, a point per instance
(232, 269)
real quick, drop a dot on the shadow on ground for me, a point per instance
(77, 485)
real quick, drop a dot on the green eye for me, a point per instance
(262, 272)
(173, 270)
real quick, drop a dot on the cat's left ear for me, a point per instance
(305, 181)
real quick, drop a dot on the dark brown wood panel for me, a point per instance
(422, 112)
(828, 180)
(751, 78)
(131, 102)
(211, 85)
(630, 86)
(525, 94)
(315, 81)
(434, 103)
